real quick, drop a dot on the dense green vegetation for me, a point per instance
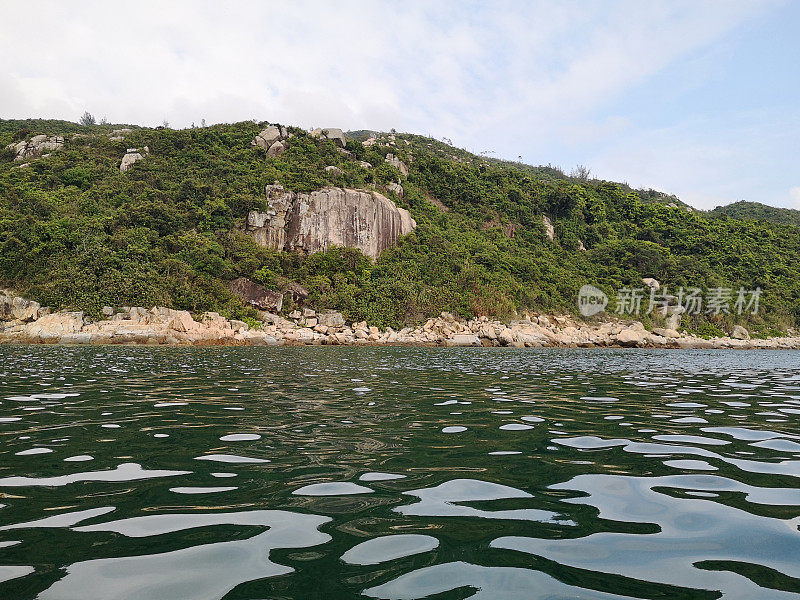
(75, 232)
(755, 211)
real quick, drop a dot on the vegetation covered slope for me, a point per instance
(76, 232)
(755, 211)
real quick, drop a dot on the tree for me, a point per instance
(87, 118)
(581, 172)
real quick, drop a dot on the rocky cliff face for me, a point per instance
(313, 222)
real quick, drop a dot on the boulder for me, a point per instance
(548, 228)
(296, 291)
(183, 322)
(740, 333)
(117, 135)
(79, 338)
(396, 188)
(631, 337)
(364, 164)
(693, 343)
(268, 137)
(332, 216)
(330, 133)
(131, 156)
(673, 320)
(276, 149)
(333, 169)
(15, 308)
(397, 164)
(36, 146)
(651, 283)
(257, 295)
(331, 319)
(53, 326)
(463, 339)
(666, 332)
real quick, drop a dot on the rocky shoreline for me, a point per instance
(25, 321)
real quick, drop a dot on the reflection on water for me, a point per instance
(250, 473)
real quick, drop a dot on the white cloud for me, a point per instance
(512, 77)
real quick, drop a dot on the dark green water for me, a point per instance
(250, 473)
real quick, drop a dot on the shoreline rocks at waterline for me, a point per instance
(30, 323)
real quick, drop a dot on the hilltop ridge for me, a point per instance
(77, 232)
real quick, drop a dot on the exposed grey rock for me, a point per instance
(15, 308)
(117, 135)
(463, 339)
(666, 332)
(237, 325)
(257, 295)
(548, 227)
(36, 146)
(396, 188)
(131, 156)
(330, 133)
(77, 338)
(268, 137)
(631, 337)
(333, 169)
(269, 228)
(653, 284)
(365, 164)
(397, 164)
(108, 311)
(331, 319)
(54, 325)
(361, 219)
(276, 149)
(296, 291)
(740, 333)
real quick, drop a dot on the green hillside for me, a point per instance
(755, 211)
(76, 232)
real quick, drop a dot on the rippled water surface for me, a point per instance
(254, 473)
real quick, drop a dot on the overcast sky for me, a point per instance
(697, 98)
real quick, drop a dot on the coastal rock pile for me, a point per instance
(30, 323)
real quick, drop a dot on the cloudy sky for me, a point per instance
(699, 97)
